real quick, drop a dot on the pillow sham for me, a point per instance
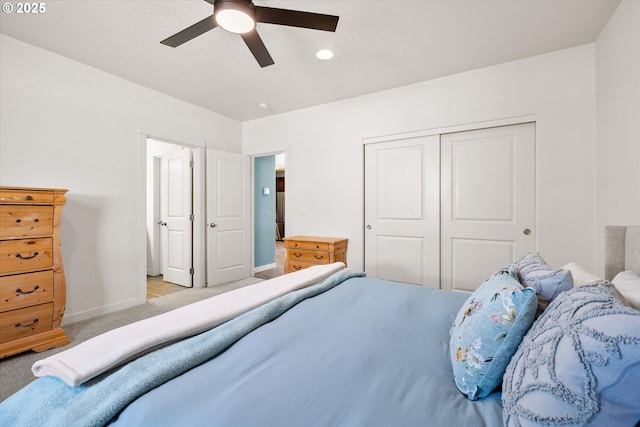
(580, 276)
(578, 365)
(628, 284)
(487, 331)
(534, 272)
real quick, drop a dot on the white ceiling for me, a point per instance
(379, 44)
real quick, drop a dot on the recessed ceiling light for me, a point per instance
(324, 54)
(263, 106)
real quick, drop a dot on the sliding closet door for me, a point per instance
(487, 209)
(402, 210)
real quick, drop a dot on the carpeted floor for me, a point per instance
(15, 371)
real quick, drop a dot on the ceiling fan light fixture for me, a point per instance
(233, 16)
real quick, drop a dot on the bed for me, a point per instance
(354, 351)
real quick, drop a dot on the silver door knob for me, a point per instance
(162, 223)
(368, 227)
(526, 231)
(212, 225)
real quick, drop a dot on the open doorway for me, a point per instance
(170, 214)
(269, 214)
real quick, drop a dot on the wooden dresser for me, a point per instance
(32, 283)
(306, 251)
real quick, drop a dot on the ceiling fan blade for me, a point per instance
(191, 32)
(296, 18)
(257, 47)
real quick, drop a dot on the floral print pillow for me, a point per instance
(487, 331)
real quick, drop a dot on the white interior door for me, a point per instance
(228, 217)
(176, 209)
(487, 212)
(402, 210)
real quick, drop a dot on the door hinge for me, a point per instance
(192, 217)
(191, 271)
(191, 164)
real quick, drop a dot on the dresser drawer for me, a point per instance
(298, 265)
(24, 290)
(26, 196)
(316, 257)
(26, 321)
(25, 255)
(301, 244)
(25, 221)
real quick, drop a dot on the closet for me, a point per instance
(447, 210)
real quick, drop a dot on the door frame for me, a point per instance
(199, 255)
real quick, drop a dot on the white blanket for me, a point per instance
(104, 352)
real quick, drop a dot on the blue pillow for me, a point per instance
(487, 331)
(535, 273)
(578, 365)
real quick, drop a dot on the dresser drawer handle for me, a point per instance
(34, 220)
(35, 254)
(20, 291)
(298, 255)
(20, 325)
(29, 198)
(318, 256)
(297, 267)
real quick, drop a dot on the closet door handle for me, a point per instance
(526, 231)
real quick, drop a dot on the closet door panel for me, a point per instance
(402, 210)
(487, 202)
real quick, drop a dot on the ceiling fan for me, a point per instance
(241, 16)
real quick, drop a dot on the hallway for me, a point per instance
(279, 268)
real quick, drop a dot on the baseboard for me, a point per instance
(264, 267)
(99, 311)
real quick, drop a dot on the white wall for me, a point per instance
(618, 122)
(325, 189)
(68, 125)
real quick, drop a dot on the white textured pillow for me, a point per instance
(580, 276)
(628, 284)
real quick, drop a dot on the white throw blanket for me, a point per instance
(113, 348)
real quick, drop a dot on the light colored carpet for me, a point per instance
(15, 371)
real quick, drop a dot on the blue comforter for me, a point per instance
(365, 353)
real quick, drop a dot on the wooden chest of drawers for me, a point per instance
(32, 283)
(306, 251)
